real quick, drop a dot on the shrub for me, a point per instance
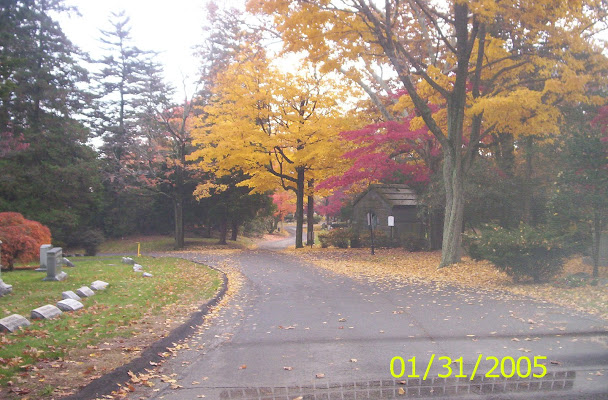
(381, 239)
(355, 239)
(323, 239)
(522, 252)
(21, 238)
(412, 243)
(90, 240)
(339, 237)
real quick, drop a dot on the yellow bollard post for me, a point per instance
(138, 249)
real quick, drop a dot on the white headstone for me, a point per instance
(147, 275)
(54, 260)
(12, 323)
(46, 312)
(137, 268)
(85, 292)
(70, 295)
(128, 260)
(99, 285)
(69, 305)
(43, 249)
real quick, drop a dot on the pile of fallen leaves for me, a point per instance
(396, 265)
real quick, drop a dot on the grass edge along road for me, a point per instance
(58, 356)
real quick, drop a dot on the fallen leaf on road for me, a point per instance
(319, 376)
(287, 368)
(353, 360)
(244, 366)
(401, 391)
(342, 320)
(556, 363)
(524, 350)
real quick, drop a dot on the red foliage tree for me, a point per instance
(388, 151)
(21, 238)
(285, 203)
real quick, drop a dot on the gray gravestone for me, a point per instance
(68, 263)
(43, 249)
(69, 305)
(4, 288)
(128, 260)
(70, 295)
(99, 285)
(46, 312)
(85, 292)
(54, 260)
(12, 323)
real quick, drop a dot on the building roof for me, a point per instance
(393, 194)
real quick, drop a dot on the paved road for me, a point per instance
(291, 322)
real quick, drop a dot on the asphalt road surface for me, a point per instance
(294, 331)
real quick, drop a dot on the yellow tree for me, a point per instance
(491, 66)
(279, 128)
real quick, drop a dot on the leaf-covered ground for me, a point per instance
(397, 265)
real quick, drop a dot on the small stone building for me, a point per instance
(386, 200)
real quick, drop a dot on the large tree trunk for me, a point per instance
(223, 231)
(235, 230)
(299, 207)
(310, 215)
(454, 208)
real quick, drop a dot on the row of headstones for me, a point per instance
(70, 302)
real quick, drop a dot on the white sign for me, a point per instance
(391, 220)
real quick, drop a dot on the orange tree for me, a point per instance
(21, 238)
(491, 66)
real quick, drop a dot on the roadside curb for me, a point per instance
(108, 383)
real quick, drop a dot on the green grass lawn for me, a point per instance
(157, 243)
(108, 314)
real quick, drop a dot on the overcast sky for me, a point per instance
(169, 27)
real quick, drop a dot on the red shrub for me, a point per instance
(21, 238)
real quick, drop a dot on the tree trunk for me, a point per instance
(310, 215)
(235, 230)
(528, 184)
(179, 200)
(436, 229)
(299, 207)
(178, 207)
(595, 247)
(454, 208)
(223, 231)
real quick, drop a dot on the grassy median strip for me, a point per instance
(118, 313)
